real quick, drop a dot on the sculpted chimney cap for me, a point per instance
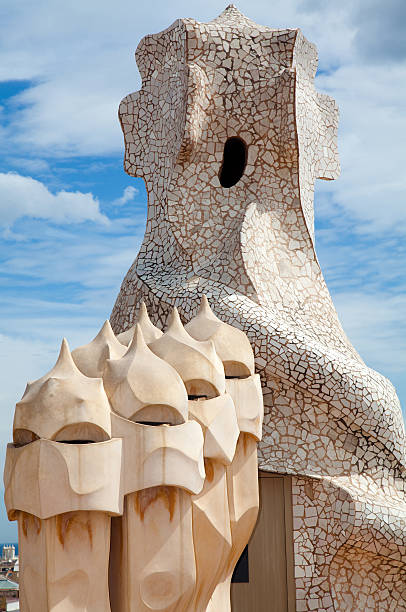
(144, 388)
(149, 331)
(197, 362)
(231, 344)
(91, 358)
(63, 405)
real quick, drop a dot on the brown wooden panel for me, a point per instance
(269, 552)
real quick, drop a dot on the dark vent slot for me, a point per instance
(242, 377)
(75, 441)
(234, 162)
(196, 397)
(155, 423)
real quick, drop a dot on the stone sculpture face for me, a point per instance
(203, 84)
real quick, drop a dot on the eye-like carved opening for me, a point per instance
(22, 437)
(81, 433)
(154, 423)
(200, 389)
(236, 369)
(234, 162)
(156, 414)
(75, 441)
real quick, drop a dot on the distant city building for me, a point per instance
(9, 605)
(9, 595)
(8, 553)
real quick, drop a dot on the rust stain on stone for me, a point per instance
(28, 521)
(143, 499)
(208, 466)
(245, 439)
(69, 520)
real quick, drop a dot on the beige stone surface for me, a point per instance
(47, 478)
(218, 420)
(196, 361)
(91, 358)
(247, 243)
(63, 405)
(211, 533)
(247, 398)
(142, 387)
(130, 523)
(149, 331)
(231, 344)
(163, 455)
(64, 562)
(155, 562)
(243, 505)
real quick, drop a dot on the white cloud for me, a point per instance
(80, 57)
(32, 165)
(22, 196)
(70, 115)
(89, 261)
(128, 195)
(376, 326)
(372, 185)
(381, 35)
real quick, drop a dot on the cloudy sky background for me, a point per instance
(71, 220)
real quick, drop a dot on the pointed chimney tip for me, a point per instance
(138, 340)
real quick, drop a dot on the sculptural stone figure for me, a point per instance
(133, 472)
(229, 135)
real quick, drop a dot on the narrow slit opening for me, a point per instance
(242, 377)
(153, 423)
(75, 441)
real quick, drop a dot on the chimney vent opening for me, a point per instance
(234, 162)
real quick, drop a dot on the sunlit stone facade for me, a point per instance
(229, 135)
(133, 472)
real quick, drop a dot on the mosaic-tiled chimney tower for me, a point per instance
(133, 472)
(229, 135)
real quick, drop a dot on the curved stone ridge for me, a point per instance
(196, 361)
(250, 248)
(91, 358)
(63, 405)
(149, 331)
(231, 344)
(149, 495)
(143, 387)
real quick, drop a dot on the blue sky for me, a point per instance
(71, 220)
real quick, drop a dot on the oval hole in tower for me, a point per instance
(234, 162)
